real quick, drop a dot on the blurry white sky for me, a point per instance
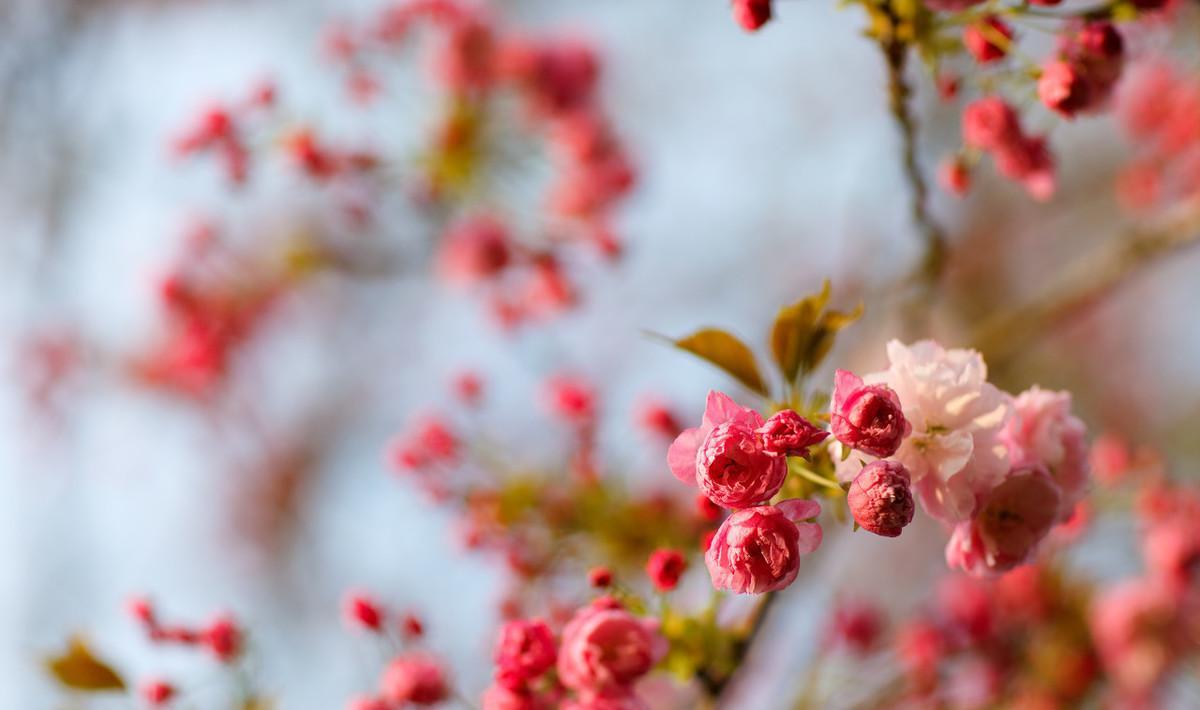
(768, 163)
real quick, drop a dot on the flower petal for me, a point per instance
(681, 456)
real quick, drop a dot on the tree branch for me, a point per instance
(1089, 280)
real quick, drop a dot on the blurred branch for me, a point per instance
(717, 687)
(1006, 335)
(895, 52)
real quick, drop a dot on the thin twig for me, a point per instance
(1089, 280)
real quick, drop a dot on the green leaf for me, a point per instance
(79, 669)
(804, 332)
(728, 353)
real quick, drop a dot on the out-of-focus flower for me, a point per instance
(524, 651)
(664, 568)
(415, 679)
(474, 250)
(988, 39)
(1132, 625)
(1014, 518)
(571, 398)
(752, 14)
(604, 647)
(364, 612)
(758, 549)
(157, 693)
(1042, 431)
(856, 626)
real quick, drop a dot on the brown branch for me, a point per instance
(1088, 281)
(717, 688)
(895, 53)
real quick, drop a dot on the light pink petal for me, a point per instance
(720, 408)
(810, 537)
(681, 457)
(844, 382)
(797, 509)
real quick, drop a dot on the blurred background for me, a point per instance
(765, 164)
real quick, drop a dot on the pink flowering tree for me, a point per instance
(940, 485)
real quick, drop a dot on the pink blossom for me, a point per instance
(1131, 624)
(752, 14)
(1062, 88)
(758, 549)
(867, 417)
(879, 498)
(953, 453)
(571, 398)
(415, 679)
(612, 699)
(989, 123)
(604, 647)
(988, 39)
(1171, 547)
(498, 697)
(474, 250)
(1014, 518)
(954, 176)
(524, 651)
(362, 611)
(1029, 162)
(664, 568)
(366, 702)
(856, 625)
(1043, 432)
(719, 408)
(786, 433)
(734, 470)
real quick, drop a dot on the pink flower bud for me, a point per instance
(1062, 89)
(734, 470)
(856, 625)
(787, 433)
(362, 611)
(157, 693)
(989, 123)
(600, 577)
(606, 647)
(988, 39)
(664, 568)
(880, 499)
(413, 679)
(752, 14)
(758, 549)
(474, 250)
(954, 177)
(867, 417)
(223, 638)
(524, 651)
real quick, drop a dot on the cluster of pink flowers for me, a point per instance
(412, 676)
(555, 81)
(1146, 626)
(604, 650)
(222, 638)
(214, 300)
(1000, 470)
(991, 125)
(1082, 76)
(739, 461)
(1159, 107)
